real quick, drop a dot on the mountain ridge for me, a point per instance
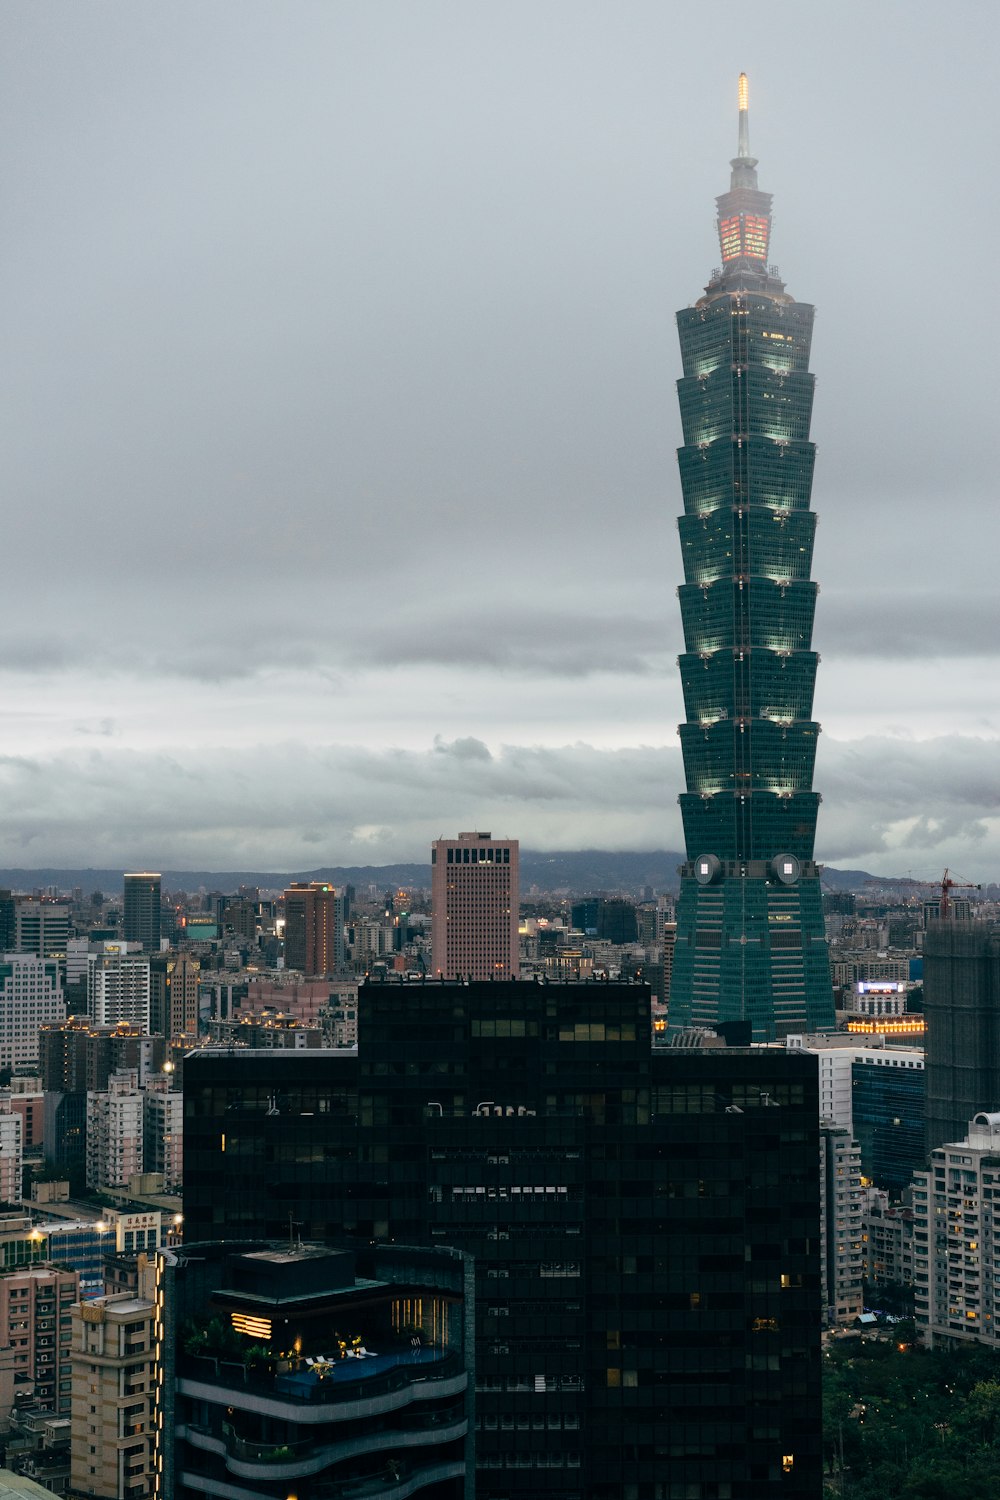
(553, 871)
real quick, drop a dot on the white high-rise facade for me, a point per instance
(114, 1132)
(119, 987)
(163, 1132)
(31, 996)
(11, 1150)
(956, 1256)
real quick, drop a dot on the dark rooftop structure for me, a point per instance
(645, 1226)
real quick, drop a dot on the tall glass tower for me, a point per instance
(750, 937)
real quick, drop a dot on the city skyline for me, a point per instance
(302, 318)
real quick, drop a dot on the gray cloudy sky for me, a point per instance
(338, 369)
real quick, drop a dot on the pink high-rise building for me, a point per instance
(474, 896)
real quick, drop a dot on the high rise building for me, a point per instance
(474, 907)
(174, 980)
(843, 1252)
(750, 938)
(33, 1302)
(119, 985)
(112, 1428)
(114, 1133)
(41, 927)
(644, 1224)
(163, 1132)
(31, 996)
(956, 1224)
(888, 1103)
(962, 1011)
(11, 1150)
(8, 921)
(142, 910)
(314, 928)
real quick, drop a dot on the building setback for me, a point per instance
(750, 942)
(645, 1226)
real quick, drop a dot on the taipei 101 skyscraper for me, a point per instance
(750, 937)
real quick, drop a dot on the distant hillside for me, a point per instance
(577, 871)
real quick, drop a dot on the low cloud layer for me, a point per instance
(889, 805)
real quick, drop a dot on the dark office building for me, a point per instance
(962, 1012)
(645, 1227)
(750, 936)
(888, 1105)
(8, 922)
(616, 922)
(611, 918)
(141, 917)
(583, 915)
(308, 1371)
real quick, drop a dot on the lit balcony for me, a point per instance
(351, 1390)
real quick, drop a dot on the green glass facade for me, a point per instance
(750, 934)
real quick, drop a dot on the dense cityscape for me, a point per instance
(211, 1078)
(515, 1172)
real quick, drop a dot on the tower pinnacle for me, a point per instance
(743, 150)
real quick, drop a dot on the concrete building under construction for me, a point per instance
(962, 1010)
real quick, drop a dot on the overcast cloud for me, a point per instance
(338, 375)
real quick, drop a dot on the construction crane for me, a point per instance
(947, 884)
(942, 886)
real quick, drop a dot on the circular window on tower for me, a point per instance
(707, 869)
(786, 868)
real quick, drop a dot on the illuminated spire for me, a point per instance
(743, 150)
(743, 163)
(744, 212)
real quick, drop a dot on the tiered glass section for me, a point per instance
(750, 935)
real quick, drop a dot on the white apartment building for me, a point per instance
(163, 1132)
(956, 1262)
(11, 1150)
(114, 1132)
(31, 996)
(842, 1245)
(118, 987)
(888, 1237)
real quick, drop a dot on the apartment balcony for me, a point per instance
(351, 1390)
(278, 1462)
(377, 1486)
